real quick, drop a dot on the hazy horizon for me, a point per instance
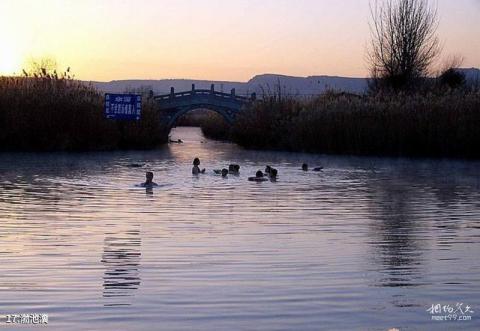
(213, 40)
(223, 80)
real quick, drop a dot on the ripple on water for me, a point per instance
(366, 243)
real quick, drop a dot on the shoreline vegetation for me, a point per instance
(445, 123)
(44, 111)
(47, 112)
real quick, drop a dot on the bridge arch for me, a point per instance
(227, 114)
(174, 105)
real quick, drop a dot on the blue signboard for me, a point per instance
(123, 106)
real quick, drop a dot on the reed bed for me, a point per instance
(214, 126)
(443, 124)
(47, 112)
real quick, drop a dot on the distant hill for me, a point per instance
(472, 75)
(311, 85)
(259, 84)
(307, 85)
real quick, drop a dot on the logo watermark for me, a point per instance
(33, 318)
(457, 312)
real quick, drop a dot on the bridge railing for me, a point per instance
(198, 92)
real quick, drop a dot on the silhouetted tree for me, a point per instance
(404, 43)
(450, 76)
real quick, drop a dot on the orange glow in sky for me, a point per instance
(209, 39)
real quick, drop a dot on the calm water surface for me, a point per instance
(367, 244)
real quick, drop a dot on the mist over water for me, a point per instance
(368, 243)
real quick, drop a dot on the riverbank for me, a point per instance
(47, 112)
(432, 125)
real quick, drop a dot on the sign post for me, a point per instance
(123, 106)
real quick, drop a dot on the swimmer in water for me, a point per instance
(234, 169)
(268, 169)
(149, 180)
(224, 172)
(305, 168)
(273, 174)
(259, 177)
(196, 169)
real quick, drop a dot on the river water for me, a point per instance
(366, 244)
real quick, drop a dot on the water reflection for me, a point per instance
(394, 234)
(121, 259)
(413, 206)
(148, 190)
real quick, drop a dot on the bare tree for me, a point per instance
(404, 42)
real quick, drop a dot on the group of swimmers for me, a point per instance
(233, 169)
(270, 173)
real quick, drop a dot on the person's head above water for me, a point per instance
(273, 172)
(259, 174)
(305, 167)
(233, 168)
(196, 170)
(224, 172)
(268, 169)
(148, 177)
(148, 180)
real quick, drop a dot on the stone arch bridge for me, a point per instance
(177, 104)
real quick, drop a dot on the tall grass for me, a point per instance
(214, 126)
(446, 124)
(48, 112)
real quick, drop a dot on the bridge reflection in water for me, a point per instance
(121, 259)
(175, 105)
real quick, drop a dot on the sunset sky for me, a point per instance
(209, 39)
